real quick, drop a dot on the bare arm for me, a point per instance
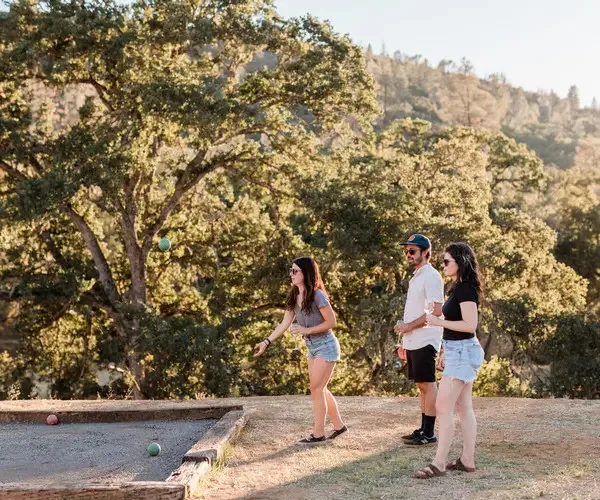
(421, 321)
(329, 322)
(275, 334)
(468, 324)
(283, 326)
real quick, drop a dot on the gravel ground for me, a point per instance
(40, 454)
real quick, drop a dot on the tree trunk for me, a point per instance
(137, 374)
(138, 290)
(127, 332)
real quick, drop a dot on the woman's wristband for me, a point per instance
(268, 342)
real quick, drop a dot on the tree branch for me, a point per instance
(100, 90)
(257, 182)
(93, 246)
(134, 253)
(46, 237)
(91, 300)
(37, 166)
(145, 191)
(13, 172)
(183, 184)
(244, 317)
(189, 178)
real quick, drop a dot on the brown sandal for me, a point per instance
(458, 465)
(428, 472)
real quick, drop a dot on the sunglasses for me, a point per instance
(293, 271)
(410, 251)
(447, 262)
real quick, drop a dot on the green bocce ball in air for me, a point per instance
(164, 244)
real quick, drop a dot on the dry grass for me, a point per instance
(526, 449)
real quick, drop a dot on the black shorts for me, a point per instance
(421, 364)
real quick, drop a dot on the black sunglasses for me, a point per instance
(410, 251)
(294, 271)
(446, 262)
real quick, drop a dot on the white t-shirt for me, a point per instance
(426, 284)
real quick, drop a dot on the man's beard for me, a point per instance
(415, 262)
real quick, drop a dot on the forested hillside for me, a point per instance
(560, 130)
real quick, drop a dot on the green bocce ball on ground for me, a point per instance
(153, 449)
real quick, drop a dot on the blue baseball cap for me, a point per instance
(418, 240)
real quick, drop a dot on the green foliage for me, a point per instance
(573, 353)
(183, 359)
(552, 150)
(495, 378)
(579, 247)
(451, 94)
(180, 134)
(281, 370)
(246, 139)
(8, 367)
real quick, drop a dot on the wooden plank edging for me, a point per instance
(198, 461)
(142, 490)
(188, 475)
(120, 415)
(210, 446)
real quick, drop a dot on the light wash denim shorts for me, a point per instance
(462, 359)
(324, 346)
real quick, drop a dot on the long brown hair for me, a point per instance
(468, 268)
(312, 283)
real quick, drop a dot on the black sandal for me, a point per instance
(311, 439)
(335, 433)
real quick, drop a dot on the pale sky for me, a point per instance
(537, 44)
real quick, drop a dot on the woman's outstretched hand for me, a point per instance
(260, 348)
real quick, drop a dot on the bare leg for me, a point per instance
(448, 394)
(422, 400)
(319, 373)
(332, 408)
(428, 392)
(333, 411)
(468, 424)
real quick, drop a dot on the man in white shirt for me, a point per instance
(425, 294)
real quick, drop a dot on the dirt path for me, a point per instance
(526, 449)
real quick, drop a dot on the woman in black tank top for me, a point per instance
(462, 356)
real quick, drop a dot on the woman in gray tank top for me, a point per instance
(309, 305)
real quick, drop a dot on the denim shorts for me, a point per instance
(324, 346)
(462, 359)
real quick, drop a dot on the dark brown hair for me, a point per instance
(468, 268)
(312, 283)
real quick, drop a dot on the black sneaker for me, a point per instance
(335, 433)
(311, 439)
(421, 440)
(413, 435)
